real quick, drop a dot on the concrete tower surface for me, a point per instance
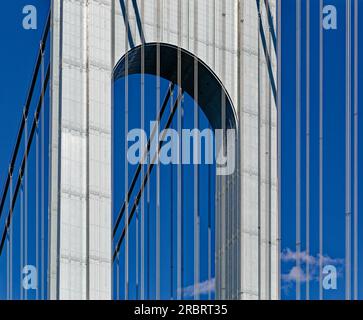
(236, 40)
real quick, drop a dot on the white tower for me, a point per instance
(89, 37)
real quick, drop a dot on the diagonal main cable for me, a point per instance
(24, 160)
(25, 114)
(266, 52)
(137, 173)
(148, 173)
(271, 24)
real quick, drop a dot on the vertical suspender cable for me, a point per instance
(88, 258)
(209, 234)
(233, 224)
(112, 18)
(307, 148)
(118, 277)
(182, 227)
(270, 184)
(179, 173)
(356, 150)
(321, 145)
(48, 206)
(298, 145)
(126, 163)
(240, 246)
(348, 154)
(168, 17)
(59, 142)
(196, 171)
(171, 216)
(26, 201)
(209, 173)
(37, 195)
(148, 235)
(268, 170)
(224, 235)
(137, 253)
(157, 235)
(218, 260)
(11, 241)
(259, 152)
(42, 175)
(8, 284)
(139, 219)
(228, 266)
(148, 239)
(142, 112)
(279, 109)
(21, 238)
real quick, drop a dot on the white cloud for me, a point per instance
(294, 274)
(289, 255)
(332, 261)
(204, 288)
(299, 273)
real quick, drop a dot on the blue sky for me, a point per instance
(334, 143)
(16, 64)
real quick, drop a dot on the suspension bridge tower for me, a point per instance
(234, 41)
